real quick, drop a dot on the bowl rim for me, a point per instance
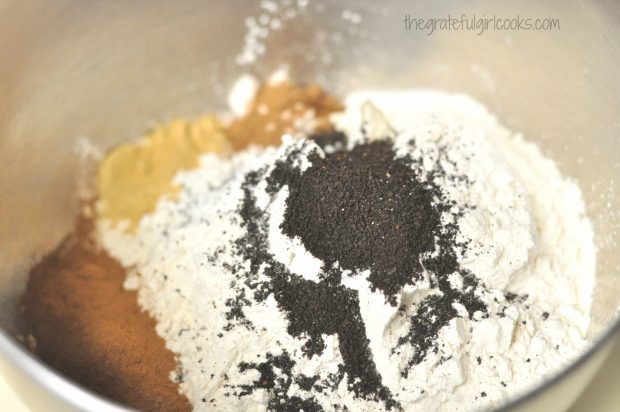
(597, 344)
(74, 394)
(66, 390)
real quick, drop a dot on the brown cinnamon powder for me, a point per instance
(91, 330)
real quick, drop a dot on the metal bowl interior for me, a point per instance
(108, 70)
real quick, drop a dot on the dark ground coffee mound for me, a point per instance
(356, 210)
(365, 209)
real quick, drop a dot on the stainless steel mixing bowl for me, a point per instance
(106, 70)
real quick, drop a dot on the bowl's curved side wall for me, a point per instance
(107, 70)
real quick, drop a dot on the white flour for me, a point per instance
(527, 235)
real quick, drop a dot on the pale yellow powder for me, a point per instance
(134, 176)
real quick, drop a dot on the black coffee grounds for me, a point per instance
(359, 209)
(364, 209)
(279, 385)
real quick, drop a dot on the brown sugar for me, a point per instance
(282, 108)
(92, 330)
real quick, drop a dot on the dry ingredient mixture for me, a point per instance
(417, 257)
(80, 318)
(408, 254)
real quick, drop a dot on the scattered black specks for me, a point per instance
(306, 382)
(278, 384)
(235, 311)
(358, 197)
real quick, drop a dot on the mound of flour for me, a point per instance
(523, 245)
